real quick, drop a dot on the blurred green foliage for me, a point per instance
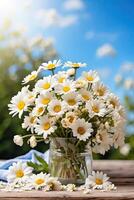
(19, 55)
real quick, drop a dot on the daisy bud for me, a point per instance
(71, 72)
(18, 140)
(32, 141)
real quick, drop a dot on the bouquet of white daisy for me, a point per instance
(77, 116)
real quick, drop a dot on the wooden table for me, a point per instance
(121, 173)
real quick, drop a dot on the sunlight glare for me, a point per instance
(7, 8)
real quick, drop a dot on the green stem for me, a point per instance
(52, 71)
(25, 136)
(75, 73)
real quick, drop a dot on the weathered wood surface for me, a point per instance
(121, 172)
(123, 193)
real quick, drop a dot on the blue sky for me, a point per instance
(98, 32)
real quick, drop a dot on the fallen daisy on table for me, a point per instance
(18, 171)
(21, 178)
(100, 181)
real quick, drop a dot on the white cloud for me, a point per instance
(106, 50)
(129, 83)
(104, 72)
(127, 66)
(73, 5)
(101, 35)
(51, 17)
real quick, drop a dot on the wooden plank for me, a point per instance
(122, 193)
(115, 168)
(121, 172)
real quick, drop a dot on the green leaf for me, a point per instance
(33, 165)
(42, 161)
(41, 167)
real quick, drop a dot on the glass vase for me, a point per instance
(69, 160)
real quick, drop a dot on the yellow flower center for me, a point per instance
(39, 181)
(95, 109)
(57, 108)
(46, 126)
(85, 97)
(40, 110)
(113, 103)
(32, 120)
(45, 101)
(66, 88)
(61, 79)
(81, 130)
(89, 78)
(75, 65)
(32, 77)
(100, 92)
(70, 119)
(21, 105)
(19, 173)
(46, 86)
(51, 66)
(51, 185)
(71, 102)
(98, 181)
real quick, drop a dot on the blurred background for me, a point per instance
(98, 32)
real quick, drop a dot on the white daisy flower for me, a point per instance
(74, 64)
(125, 149)
(91, 76)
(44, 84)
(112, 101)
(18, 140)
(51, 65)
(60, 77)
(29, 122)
(56, 108)
(81, 129)
(103, 141)
(39, 180)
(31, 95)
(45, 126)
(95, 107)
(70, 72)
(32, 141)
(18, 171)
(65, 87)
(81, 83)
(38, 110)
(54, 184)
(70, 187)
(85, 94)
(72, 99)
(70, 118)
(44, 98)
(100, 89)
(97, 180)
(109, 186)
(121, 112)
(19, 104)
(118, 137)
(30, 77)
